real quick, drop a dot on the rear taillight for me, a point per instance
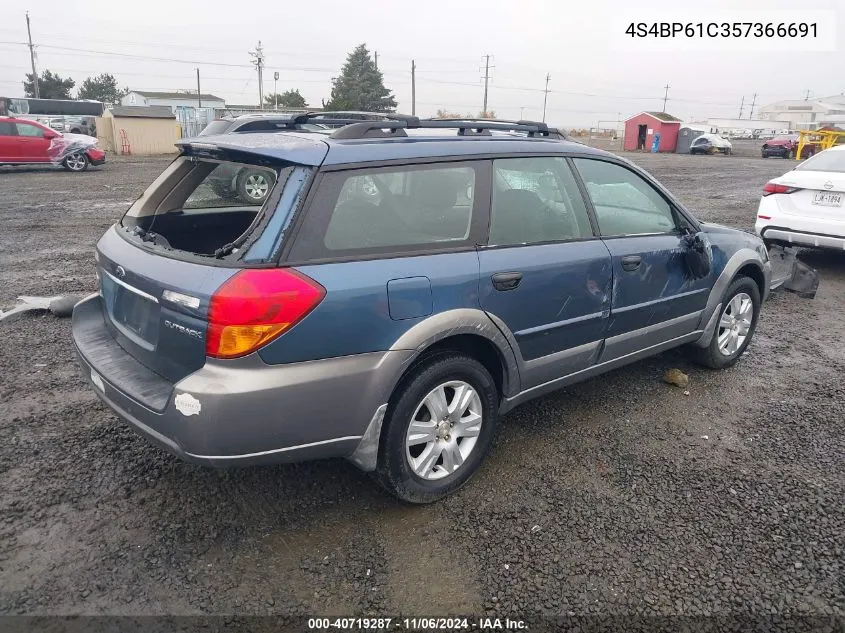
(771, 187)
(255, 306)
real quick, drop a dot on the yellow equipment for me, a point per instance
(823, 138)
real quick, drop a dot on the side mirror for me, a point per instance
(50, 134)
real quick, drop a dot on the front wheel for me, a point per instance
(76, 162)
(438, 428)
(735, 327)
(790, 154)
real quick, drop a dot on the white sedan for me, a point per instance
(805, 206)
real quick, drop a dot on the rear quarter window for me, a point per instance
(394, 210)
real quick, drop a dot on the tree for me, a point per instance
(360, 85)
(50, 86)
(442, 113)
(103, 88)
(487, 115)
(287, 99)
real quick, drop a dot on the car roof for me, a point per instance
(313, 148)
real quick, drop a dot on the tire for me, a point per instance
(402, 462)
(713, 356)
(76, 162)
(254, 185)
(790, 154)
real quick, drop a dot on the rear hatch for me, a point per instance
(181, 240)
(155, 307)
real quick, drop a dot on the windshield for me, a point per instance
(216, 127)
(829, 160)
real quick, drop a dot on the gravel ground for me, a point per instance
(621, 496)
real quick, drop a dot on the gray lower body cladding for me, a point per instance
(242, 411)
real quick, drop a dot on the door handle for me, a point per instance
(631, 262)
(506, 281)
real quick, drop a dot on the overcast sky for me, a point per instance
(580, 44)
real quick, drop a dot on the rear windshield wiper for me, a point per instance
(224, 250)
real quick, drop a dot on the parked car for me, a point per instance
(24, 142)
(786, 146)
(710, 144)
(249, 185)
(390, 300)
(805, 205)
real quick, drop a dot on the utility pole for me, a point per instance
(741, 104)
(258, 61)
(546, 96)
(413, 88)
(32, 59)
(376, 56)
(486, 82)
(199, 93)
(665, 96)
(753, 101)
(276, 89)
(806, 96)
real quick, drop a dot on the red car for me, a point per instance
(25, 142)
(786, 147)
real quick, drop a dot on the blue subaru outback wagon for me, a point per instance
(404, 283)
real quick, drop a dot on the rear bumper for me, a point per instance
(799, 238)
(239, 412)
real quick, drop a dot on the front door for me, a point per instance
(544, 274)
(642, 132)
(32, 144)
(655, 300)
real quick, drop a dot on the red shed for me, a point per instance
(641, 128)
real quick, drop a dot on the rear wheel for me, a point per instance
(790, 154)
(438, 428)
(76, 162)
(254, 185)
(735, 327)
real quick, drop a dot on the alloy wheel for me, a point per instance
(75, 162)
(735, 323)
(256, 186)
(443, 430)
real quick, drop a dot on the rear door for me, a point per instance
(8, 143)
(654, 299)
(32, 145)
(544, 272)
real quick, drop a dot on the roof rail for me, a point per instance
(397, 124)
(346, 117)
(542, 128)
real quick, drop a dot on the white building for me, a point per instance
(185, 105)
(809, 114)
(172, 99)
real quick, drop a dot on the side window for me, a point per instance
(625, 204)
(536, 200)
(6, 129)
(399, 208)
(25, 129)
